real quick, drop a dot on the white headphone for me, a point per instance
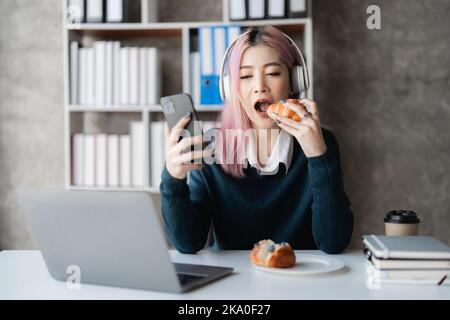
(299, 74)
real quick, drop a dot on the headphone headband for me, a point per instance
(305, 72)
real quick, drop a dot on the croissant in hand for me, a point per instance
(284, 111)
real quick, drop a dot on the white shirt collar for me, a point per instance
(281, 153)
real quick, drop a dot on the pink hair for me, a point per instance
(233, 115)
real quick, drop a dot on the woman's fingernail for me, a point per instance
(188, 115)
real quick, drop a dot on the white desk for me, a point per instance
(23, 275)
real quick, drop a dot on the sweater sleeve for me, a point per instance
(332, 218)
(186, 211)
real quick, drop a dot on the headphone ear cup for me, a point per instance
(298, 81)
(226, 88)
(306, 79)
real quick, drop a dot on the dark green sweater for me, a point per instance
(306, 207)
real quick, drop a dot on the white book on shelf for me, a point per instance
(157, 153)
(233, 33)
(82, 72)
(158, 77)
(94, 11)
(74, 67)
(206, 51)
(149, 11)
(100, 72)
(297, 5)
(77, 159)
(256, 9)
(195, 77)
(116, 73)
(276, 9)
(220, 46)
(124, 75)
(208, 125)
(125, 160)
(153, 76)
(297, 8)
(114, 11)
(134, 75)
(89, 160)
(75, 11)
(205, 125)
(137, 153)
(143, 61)
(109, 65)
(236, 9)
(101, 157)
(152, 10)
(113, 160)
(90, 79)
(208, 133)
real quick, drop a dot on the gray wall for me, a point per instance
(31, 108)
(386, 96)
(383, 93)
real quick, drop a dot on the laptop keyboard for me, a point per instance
(188, 278)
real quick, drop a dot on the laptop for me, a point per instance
(112, 238)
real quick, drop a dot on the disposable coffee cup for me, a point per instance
(401, 223)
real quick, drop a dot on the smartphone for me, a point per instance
(176, 107)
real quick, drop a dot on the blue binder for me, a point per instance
(213, 42)
(207, 76)
(209, 73)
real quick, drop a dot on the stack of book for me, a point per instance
(206, 62)
(112, 11)
(266, 9)
(118, 160)
(406, 259)
(109, 160)
(107, 74)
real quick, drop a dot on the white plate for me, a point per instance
(308, 264)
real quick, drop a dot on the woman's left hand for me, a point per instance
(307, 132)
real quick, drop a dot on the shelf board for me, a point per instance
(125, 26)
(175, 28)
(209, 108)
(124, 29)
(97, 108)
(127, 189)
(273, 22)
(136, 108)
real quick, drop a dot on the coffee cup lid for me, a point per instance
(401, 216)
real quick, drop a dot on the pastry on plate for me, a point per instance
(267, 253)
(283, 111)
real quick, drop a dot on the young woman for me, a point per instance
(291, 192)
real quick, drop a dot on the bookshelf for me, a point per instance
(175, 41)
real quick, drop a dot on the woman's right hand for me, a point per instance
(179, 154)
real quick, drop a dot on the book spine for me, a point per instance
(137, 153)
(125, 160)
(113, 160)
